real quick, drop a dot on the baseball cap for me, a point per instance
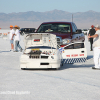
(11, 26)
(92, 26)
(97, 26)
(16, 26)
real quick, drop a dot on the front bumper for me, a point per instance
(39, 63)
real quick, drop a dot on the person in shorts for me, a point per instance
(11, 34)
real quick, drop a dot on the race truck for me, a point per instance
(40, 52)
(69, 39)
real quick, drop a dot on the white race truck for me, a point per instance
(40, 52)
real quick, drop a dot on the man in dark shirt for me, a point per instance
(91, 32)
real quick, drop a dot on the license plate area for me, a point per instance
(36, 40)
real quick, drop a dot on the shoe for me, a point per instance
(15, 51)
(11, 50)
(21, 50)
(95, 68)
(91, 50)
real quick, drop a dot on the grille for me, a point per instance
(34, 57)
(58, 40)
(45, 57)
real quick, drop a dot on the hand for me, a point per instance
(89, 37)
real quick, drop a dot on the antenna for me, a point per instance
(72, 17)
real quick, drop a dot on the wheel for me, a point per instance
(22, 68)
(61, 64)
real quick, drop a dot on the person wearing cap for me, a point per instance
(17, 39)
(11, 35)
(91, 32)
(96, 47)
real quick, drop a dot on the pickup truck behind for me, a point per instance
(66, 32)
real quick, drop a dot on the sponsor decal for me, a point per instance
(74, 55)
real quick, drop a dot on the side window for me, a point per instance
(78, 45)
(69, 47)
(73, 28)
(75, 46)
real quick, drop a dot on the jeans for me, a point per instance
(17, 45)
(91, 43)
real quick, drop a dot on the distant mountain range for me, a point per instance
(34, 19)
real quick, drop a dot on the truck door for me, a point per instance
(74, 53)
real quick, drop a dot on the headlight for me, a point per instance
(66, 41)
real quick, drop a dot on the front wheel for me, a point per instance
(22, 68)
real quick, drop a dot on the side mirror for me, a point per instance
(78, 31)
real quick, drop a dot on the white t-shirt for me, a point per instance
(96, 41)
(11, 33)
(17, 35)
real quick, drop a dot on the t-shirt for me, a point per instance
(92, 32)
(17, 35)
(11, 33)
(96, 41)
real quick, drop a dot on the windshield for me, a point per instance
(56, 27)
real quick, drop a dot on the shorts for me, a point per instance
(11, 41)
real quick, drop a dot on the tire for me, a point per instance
(22, 68)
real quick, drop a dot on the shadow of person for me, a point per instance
(4, 51)
(81, 65)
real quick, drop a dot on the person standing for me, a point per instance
(11, 34)
(17, 39)
(96, 45)
(91, 32)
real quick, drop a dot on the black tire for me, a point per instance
(22, 68)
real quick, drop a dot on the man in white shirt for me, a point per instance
(96, 45)
(17, 39)
(11, 34)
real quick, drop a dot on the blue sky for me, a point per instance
(9, 6)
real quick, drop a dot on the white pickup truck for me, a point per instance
(40, 52)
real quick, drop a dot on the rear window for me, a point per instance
(56, 27)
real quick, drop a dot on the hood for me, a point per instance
(40, 39)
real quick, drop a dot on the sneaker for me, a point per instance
(11, 50)
(95, 68)
(15, 51)
(21, 50)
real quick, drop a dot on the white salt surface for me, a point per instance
(71, 82)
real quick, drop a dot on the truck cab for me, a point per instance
(66, 32)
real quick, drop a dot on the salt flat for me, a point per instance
(71, 82)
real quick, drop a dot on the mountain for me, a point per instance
(34, 19)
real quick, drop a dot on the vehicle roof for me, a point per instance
(56, 22)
